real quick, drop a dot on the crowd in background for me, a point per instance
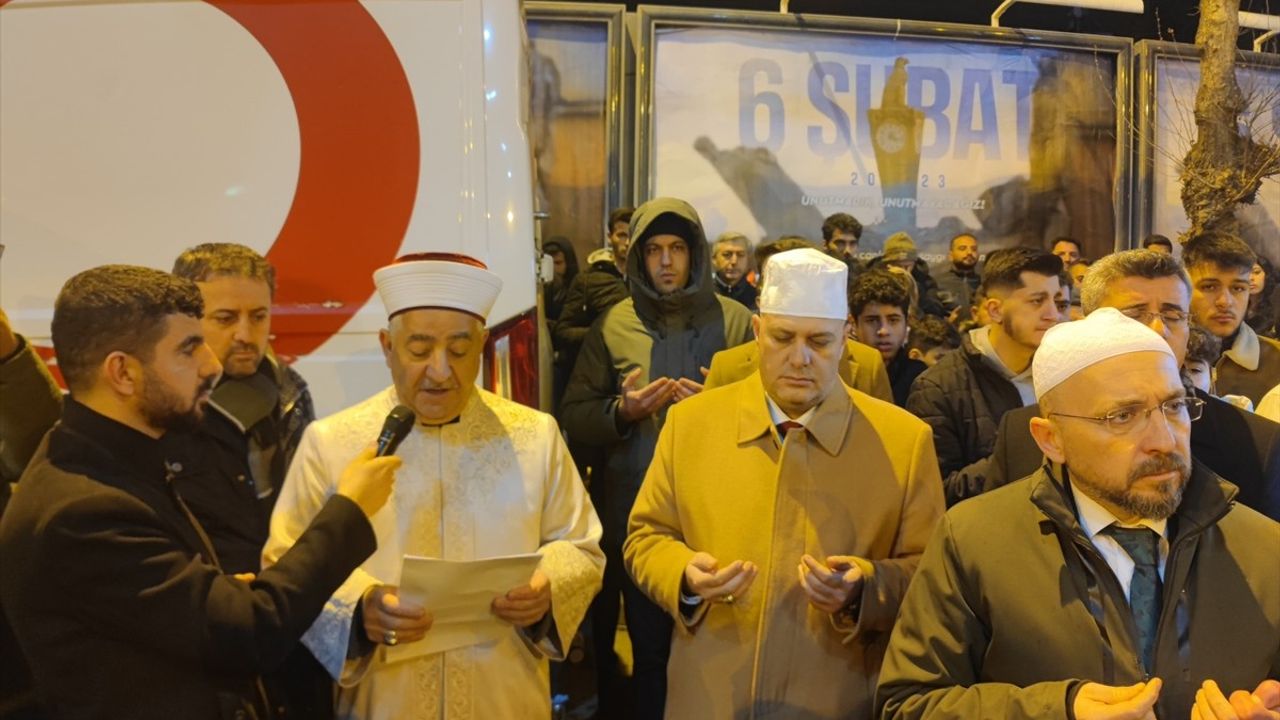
(770, 438)
(952, 343)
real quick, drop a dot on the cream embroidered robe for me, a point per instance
(497, 482)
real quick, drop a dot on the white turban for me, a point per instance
(438, 280)
(805, 283)
(1068, 348)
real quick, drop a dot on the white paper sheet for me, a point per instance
(459, 594)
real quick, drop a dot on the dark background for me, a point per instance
(1164, 19)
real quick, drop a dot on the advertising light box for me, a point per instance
(1170, 75)
(768, 128)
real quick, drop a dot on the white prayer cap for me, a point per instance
(805, 283)
(1068, 348)
(438, 280)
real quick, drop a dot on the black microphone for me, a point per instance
(394, 429)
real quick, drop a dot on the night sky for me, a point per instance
(1164, 19)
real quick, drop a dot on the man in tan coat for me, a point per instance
(783, 549)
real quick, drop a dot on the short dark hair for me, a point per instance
(931, 331)
(1073, 241)
(1203, 346)
(116, 308)
(1157, 239)
(1005, 267)
(879, 287)
(764, 251)
(952, 244)
(844, 222)
(619, 215)
(204, 262)
(1218, 248)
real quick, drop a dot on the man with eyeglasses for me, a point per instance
(1153, 289)
(1219, 265)
(1121, 580)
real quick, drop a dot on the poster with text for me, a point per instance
(1174, 129)
(767, 132)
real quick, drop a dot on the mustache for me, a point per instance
(243, 347)
(1169, 462)
(206, 385)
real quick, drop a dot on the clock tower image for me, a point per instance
(897, 131)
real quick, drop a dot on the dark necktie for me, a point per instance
(1143, 545)
(787, 426)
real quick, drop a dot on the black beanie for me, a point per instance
(669, 223)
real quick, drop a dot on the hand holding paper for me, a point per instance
(385, 613)
(461, 596)
(527, 604)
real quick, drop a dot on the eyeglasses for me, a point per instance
(1134, 418)
(1144, 316)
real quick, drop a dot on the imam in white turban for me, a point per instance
(805, 283)
(438, 280)
(1068, 348)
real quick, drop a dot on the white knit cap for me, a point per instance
(1068, 348)
(438, 280)
(805, 283)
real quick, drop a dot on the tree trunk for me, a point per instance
(1223, 168)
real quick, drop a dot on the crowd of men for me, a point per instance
(816, 484)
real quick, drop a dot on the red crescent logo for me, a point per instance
(358, 167)
(358, 171)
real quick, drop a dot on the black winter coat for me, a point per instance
(962, 398)
(115, 596)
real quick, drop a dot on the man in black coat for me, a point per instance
(964, 395)
(1151, 287)
(114, 589)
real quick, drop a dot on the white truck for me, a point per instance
(330, 136)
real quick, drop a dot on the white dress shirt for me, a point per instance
(1094, 519)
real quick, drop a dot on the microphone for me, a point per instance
(394, 429)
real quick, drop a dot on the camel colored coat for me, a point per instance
(861, 368)
(861, 480)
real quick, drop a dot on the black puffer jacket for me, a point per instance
(962, 398)
(591, 293)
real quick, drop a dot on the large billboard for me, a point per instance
(768, 123)
(1170, 76)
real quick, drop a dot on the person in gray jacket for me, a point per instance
(643, 354)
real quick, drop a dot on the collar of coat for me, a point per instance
(829, 426)
(1205, 500)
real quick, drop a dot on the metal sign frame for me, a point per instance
(617, 101)
(1147, 54)
(651, 18)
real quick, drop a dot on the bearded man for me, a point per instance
(1121, 580)
(115, 592)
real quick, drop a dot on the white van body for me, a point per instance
(330, 136)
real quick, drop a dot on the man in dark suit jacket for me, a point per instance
(114, 590)
(1151, 287)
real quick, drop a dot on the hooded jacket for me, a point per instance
(671, 336)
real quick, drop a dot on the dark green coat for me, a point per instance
(1012, 608)
(666, 336)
